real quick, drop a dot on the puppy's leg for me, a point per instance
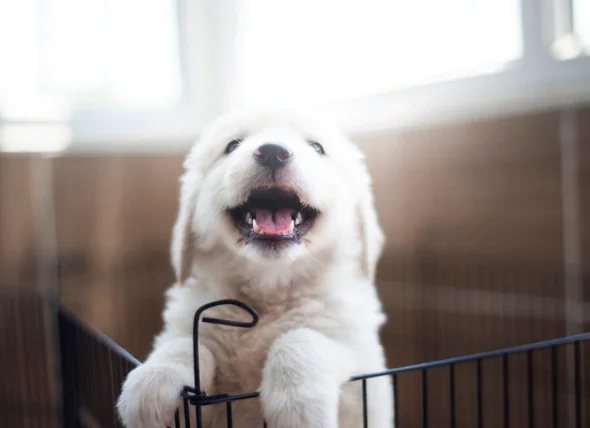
(151, 392)
(301, 380)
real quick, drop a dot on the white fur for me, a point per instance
(319, 310)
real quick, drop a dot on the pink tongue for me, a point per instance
(273, 223)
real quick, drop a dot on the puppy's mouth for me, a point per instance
(273, 214)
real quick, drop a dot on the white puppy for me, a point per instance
(275, 211)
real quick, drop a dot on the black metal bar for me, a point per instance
(38, 324)
(424, 398)
(492, 354)
(187, 415)
(452, 395)
(223, 398)
(177, 419)
(68, 345)
(479, 394)
(554, 388)
(228, 414)
(577, 385)
(209, 320)
(531, 388)
(365, 412)
(200, 394)
(98, 336)
(395, 405)
(506, 384)
(199, 416)
(88, 345)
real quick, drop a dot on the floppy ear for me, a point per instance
(183, 235)
(371, 235)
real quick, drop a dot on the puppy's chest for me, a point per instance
(240, 353)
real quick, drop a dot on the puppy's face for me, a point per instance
(271, 189)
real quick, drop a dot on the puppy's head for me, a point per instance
(270, 190)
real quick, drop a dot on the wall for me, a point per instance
(473, 215)
(485, 194)
(17, 225)
(584, 192)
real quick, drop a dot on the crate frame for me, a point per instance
(95, 404)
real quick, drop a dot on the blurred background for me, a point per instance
(474, 116)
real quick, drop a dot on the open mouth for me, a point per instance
(273, 214)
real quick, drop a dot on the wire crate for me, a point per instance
(549, 379)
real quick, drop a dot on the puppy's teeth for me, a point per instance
(291, 227)
(255, 227)
(298, 219)
(249, 218)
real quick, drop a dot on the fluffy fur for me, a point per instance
(319, 310)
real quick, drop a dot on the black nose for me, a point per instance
(273, 155)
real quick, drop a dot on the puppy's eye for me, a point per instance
(317, 147)
(232, 145)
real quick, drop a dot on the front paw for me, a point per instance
(151, 395)
(301, 380)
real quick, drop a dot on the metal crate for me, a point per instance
(550, 378)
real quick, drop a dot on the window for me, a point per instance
(148, 72)
(90, 54)
(581, 18)
(330, 49)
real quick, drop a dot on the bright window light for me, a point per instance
(312, 50)
(90, 53)
(582, 22)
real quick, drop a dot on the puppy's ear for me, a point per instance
(371, 235)
(183, 246)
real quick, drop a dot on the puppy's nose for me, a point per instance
(273, 155)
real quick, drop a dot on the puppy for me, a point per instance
(276, 211)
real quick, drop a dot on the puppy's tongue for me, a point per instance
(273, 222)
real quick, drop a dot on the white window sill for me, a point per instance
(513, 92)
(509, 93)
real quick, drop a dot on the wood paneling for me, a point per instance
(472, 215)
(17, 222)
(117, 211)
(583, 120)
(488, 189)
(114, 219)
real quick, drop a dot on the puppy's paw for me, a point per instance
(301, 381)
(151, 395)
(289, 406)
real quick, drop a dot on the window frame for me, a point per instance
(207, 29)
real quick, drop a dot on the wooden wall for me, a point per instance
(17, 224)
(483, 190)
(485, 195)
(472, 213)
(584, 191)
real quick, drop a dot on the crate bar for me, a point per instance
(531, 388)
(506, 384)
(69, 317)
(177, 419)
(187, 422)
(365, 412)
(424, 398)
(395, 405)
(577, 385)
(199, 416)
(554, 388)
(452, 395)
(483, 355)
(479, 394)
(228, 414)
(213, 399)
